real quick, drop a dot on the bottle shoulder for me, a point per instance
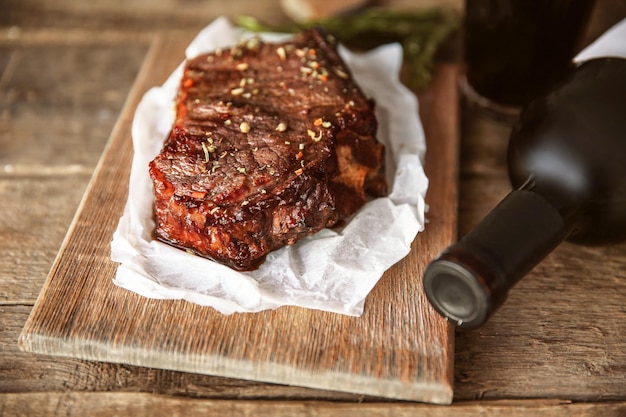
(572, 143)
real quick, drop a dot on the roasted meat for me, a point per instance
(271, 143)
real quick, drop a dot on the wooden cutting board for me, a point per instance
(399, 348)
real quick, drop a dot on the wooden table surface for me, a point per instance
(557, 347)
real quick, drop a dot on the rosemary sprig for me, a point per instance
(419, 32)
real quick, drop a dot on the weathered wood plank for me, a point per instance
(163, 14)
(43, 122)
(71, 404)
(53, 126)
(13, 37)
(565, 323)
(399, 348)
(26, 372)
(484, 145)
(144, 15)
(40, 208)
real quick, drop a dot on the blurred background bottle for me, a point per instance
(516, 49)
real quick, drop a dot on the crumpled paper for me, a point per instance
(333, 270)
(611, 43)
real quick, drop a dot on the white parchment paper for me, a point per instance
(612, 43)
(335, 269)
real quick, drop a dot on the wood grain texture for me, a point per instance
(400, 348)
(53, 127)
(30, 373)
(75, 404)
(38, 107)
(33, 233)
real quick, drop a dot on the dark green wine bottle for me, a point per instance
(567, 165)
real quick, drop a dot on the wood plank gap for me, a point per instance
(36, 171)
(15, 36)
(145, 404)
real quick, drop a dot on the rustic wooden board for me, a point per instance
(103, 404)
(399, 348)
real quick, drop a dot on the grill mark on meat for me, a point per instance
(267, 147)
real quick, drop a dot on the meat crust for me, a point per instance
(271, 143)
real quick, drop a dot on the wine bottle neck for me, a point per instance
(479, 270)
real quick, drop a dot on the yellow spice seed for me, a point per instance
(281, 53)
(340, 73)
(206, 152)
(244, 127)
(315, 136)
(253, 43)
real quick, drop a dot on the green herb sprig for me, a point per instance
(420, 33)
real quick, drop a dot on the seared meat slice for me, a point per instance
(271, 143)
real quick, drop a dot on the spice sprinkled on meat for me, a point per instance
(270, 144)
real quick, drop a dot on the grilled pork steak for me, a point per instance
(271, 143)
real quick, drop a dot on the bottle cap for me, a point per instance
(456, 293)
